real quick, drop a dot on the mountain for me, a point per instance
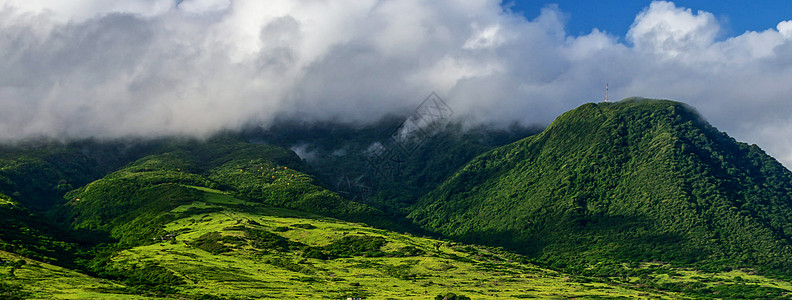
(37, 173)
(213, 245)
(235, 217)
(131, 203)
(367, 164)
(28, 234)
(232, 220)
(217, 246)
(632, 181)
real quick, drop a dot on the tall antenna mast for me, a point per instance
(607, 98)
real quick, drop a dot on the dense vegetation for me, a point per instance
(340, 156)
(37, 173)
(631, 199)
(219, 247)
(24, 233)
(130, 205)
(637, 180)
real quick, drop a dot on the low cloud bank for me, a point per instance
(106, 69)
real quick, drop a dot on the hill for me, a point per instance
(369, 164)
(216, 246)
(218, 221)
(38, 173)
(231, 218)
(27, 234)
(139, 195)
(633, 181)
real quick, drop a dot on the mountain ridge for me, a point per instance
(651, 175)
(640, 198)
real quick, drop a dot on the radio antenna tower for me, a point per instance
(607, 98)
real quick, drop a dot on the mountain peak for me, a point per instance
(634, 180)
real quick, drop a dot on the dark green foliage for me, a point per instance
(281, 229)
(26, 234)
(151, 275)
(349, 246)
(287, 264)
(209, 297)
(304, 226)
(129, 210)
(38, 173)
(408, 251)
(337, 154)
(12, 292)
(265, 240)
(131, 204)
(741, 291)
(636, 180)
(211, 242)
(603, 185)
(400, 271)
(272, 185)
(129, 207)
(451, 296)
(720, 291)
(315, 253)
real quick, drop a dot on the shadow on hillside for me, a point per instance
(592, 240)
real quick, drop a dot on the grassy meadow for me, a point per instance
(225, 248)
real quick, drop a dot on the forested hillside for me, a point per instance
(365, 164)
(640, 198)
(637, 180)
(37, 173)
(128, 203)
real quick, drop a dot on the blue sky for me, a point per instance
(616, 16)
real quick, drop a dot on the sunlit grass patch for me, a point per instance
(40, 280)
(438, 267)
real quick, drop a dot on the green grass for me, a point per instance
(729, 284)
(242, 221)
(217, 196)
(476, 271)
(246, 271)
(38, 280)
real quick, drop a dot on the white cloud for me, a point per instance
(203, 6)
(670, 31)
(150, 67)
(80, 10)
(486, 38)
(785, 28)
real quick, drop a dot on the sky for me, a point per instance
(106, 69)
(615, 16)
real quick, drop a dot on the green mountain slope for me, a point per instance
(129, 204)
(224, 219)
(25, 278)
(38, 173)
(341, 156)
(274, 253)
(27, 234)
(219, 247)
(637, 180)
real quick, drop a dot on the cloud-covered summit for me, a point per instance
(91, 68)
